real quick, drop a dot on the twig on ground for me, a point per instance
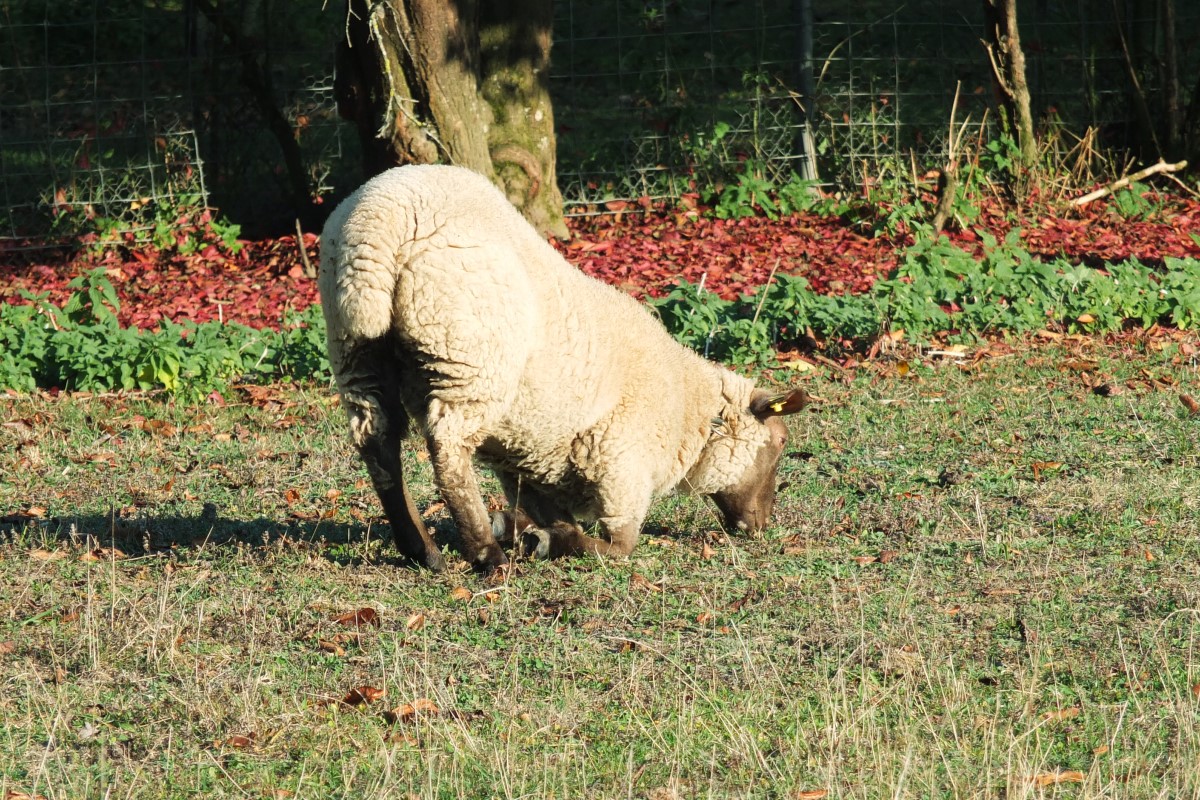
(1153, 169)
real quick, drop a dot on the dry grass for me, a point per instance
(931, 617)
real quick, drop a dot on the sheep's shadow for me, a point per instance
(186, 536)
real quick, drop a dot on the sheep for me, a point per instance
(444, 307)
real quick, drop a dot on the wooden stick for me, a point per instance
(309, 270)
(1153, 169)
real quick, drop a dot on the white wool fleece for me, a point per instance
(554, 375)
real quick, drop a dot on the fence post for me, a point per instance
(804, 81)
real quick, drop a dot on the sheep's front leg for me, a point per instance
(452, 464)
(569, 540)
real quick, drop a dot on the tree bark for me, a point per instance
(461, 82)
(1008, 75)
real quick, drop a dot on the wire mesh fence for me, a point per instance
(111, 110)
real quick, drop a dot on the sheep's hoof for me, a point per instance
(490, 559)
(535, 544)
(434, 561)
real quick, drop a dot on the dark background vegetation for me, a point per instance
(106, 107)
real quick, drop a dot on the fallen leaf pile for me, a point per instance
(640, 246)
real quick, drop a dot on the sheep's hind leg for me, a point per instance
(452, 463)
(381, 454)
(378, 425)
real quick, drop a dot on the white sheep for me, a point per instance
(445, 307)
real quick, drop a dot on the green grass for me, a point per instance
(931, 616)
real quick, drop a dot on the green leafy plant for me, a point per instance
(82, 346)
(939, 288)
(1136, 201)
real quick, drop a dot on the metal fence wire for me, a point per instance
(114, 112)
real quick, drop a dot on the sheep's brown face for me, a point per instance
(747, 506)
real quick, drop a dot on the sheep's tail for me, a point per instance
(357, 282)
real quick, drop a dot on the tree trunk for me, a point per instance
(1171, 88)
(465, 83)
(1008, 75)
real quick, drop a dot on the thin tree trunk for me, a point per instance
(1171, 81)
(257, 80)
(426, 81)
(1008, 74)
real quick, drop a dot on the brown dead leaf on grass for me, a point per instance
(330, 646)
(408, 712)
(460, 593)
(12, 794)
(47, 555)
(1062, 713)
(637, 581)
(740, 603)
(1054, 778)
(415, 622)
(1040, 467)
(156, 427)
(1190, 404)
(363, 695)
(102, 554)
(359, 619)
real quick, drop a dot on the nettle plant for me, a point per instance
(938, 288)
(82, 346)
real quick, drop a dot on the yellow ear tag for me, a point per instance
(777, 407)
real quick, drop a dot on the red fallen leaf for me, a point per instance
(1190, 404)
(359, 619)
(240, 741)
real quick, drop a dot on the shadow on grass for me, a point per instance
(150, 535)
(187, 536)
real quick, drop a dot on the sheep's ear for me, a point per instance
(764, 405)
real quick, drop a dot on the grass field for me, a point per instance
(983, 581)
